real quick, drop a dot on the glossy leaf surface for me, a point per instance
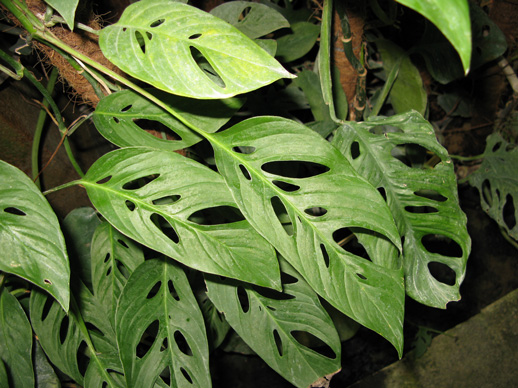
(33, 245)
(158, 311)
(285, 319)
(401, 156)
(66, 8)
(185, 51)
(123, 117)
(148, 198)
(15, 342)
(248, 155)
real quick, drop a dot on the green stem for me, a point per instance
(63, 186)
(36, 142)
(386, 88)
(509, 239)
(467, 158)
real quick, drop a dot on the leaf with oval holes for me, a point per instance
(32, 241)
(497, 183)
(123, 118)
(185, 51)
(252, 19)
(81, 344)
(114, 258)
(15, 342)
(278, 169)
(160, 328)
(151, 195)
(289, 321)
(402, 158)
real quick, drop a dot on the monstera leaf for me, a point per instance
(160, 328)
(497, 182)
(285, 320)
(185, 51)
(281, 172)
(123, 117)
(401, 157)
(156, 198)
(33, 245)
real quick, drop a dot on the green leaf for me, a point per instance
(215, 322)
(407, 92)
(33, 245)
(452, 18)
(288, 322)
(66, 8)
(257, 158)
(185, 51)
(160, 328)
(114, 257)
(4, 382)
(122, 118)
(401, 157)
(297, 44)
(309, 82)
(154, 196)
(15, 341)
(497, 182)
(45, 375)
(252, 19)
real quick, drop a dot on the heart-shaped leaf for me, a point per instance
(401, 156)
(158, 198)
(185, 51)
(15, 342)
(279, 172)
(123, 118)
(160, 328)
(497, 182)
(114, 258)
(288, 320)
(33, 245)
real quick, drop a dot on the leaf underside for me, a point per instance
(401, 156)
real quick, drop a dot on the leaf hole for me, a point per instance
(206, 67)
(294, 168)
(431, 194)
(104, 180)
(314, 343)
(442, 245)
(325, 255)
(271, 308)
(130, 205)
(217, 215)
(166, 228)
(157, 129)
(15, 211)
(140, 182)
(49, 302)
(346, 238)
(107, 257)
(182, 344)
(421, 209)
(123, 243)
(116, 119)
(141, 41)
(509, 212)
(383, 193)
(244, 301)
(268, 293)
(167, 200)
(195, 36)
(245, 150)
(442, 273)
(147, 339)
(355, 150)
(288, 279)
(154, 290)
(126, 108)
(282, 215)
(165, 375)
(63, 329)
(362, 277)
(186, 375)
(285, 186)
(122, 269)
(245, 172)
(486, 192)
(244, 13)
(47, 282)
(485, 31)
(82, 359)
(92, 329)
(172, 290)
(315, 211)
(384, 130)
(497, 146)
(165, 345)
(415, 156)
(278, 342)
(109, 270)
(157, 23)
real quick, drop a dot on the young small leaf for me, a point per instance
(66, 8)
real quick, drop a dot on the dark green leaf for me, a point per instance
(45, 375)
(297, 44)
(15, 342)
(309, 82)
(152, 195)
(33, 245)
(160, 328)
(185, 51)
(401, 157)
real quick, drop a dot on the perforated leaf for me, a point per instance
(185, 51)
(154, 196)
(401, 157)
(123, 118)
(497, 182)
(160, 328)
(259, 159)
(114, 258)
(288, 322)
(15, 342)
(252, 19)
(33, 245)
